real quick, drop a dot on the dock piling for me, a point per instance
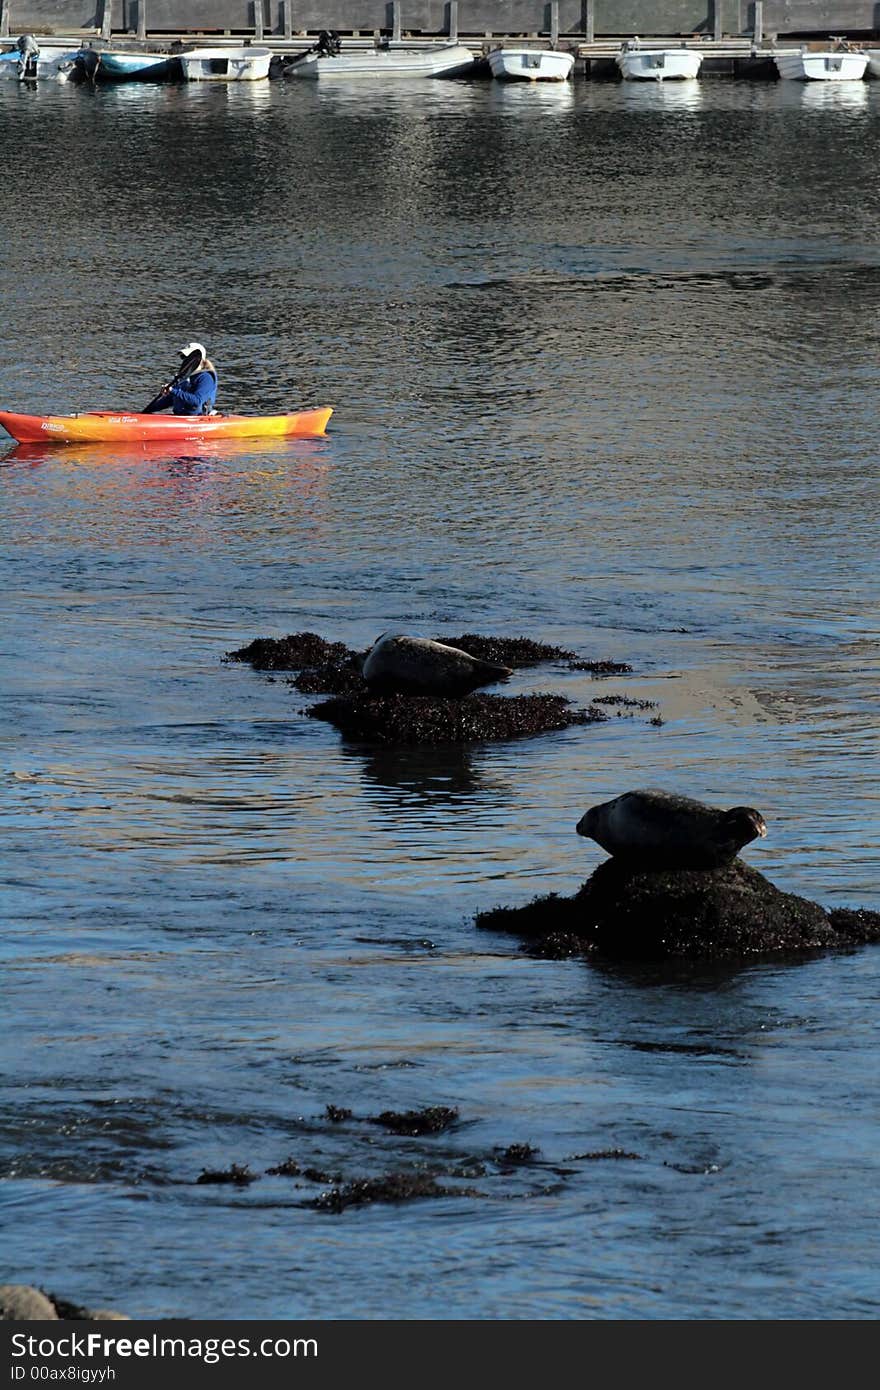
(452, 21)
(588, 20)
(758, 21)
(142, 20)
(4, 19)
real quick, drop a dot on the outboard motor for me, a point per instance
(329, 44)
(28, 53)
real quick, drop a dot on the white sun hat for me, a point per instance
(194, 347)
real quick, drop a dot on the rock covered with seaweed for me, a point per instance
(676, 889)
(420, 692)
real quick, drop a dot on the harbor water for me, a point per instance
(604, 367)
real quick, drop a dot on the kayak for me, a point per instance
(114, 427)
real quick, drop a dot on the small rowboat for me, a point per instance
(116, 427)
(448, 60)
(531, 64)
(833, 65)
(225, 64)
(658, 64)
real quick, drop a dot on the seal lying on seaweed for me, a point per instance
(669, 831)
(416, 665)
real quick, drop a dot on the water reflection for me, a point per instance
(546, 97)
(430, 776)
(664, 96)
(189, 453)
(820, 97)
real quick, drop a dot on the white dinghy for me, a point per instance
(637, 64)
(531, 64)
(225, 64)
(831, 65)
(326, 60)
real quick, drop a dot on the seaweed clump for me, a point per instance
(430, 1120)
(392, 1187)
(292, 653)
(239, 1174)
(629, 913)
(421, 719)
(506, 651)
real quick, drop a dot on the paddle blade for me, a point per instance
(186, 368)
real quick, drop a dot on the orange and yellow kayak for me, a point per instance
(112, 427)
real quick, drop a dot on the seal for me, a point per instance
(417, 666)
(670, 831)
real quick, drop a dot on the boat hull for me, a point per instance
(111, 427)
(659, 65)
(225, 64)
(821, 67)
(448, 61)
(530, 64)
(137, 67)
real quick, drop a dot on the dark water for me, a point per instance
(605, 374)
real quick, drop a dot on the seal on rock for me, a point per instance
(670, 831)
(418, 666)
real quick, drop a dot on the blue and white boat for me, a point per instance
(129, 65)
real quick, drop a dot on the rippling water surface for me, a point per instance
(604, 368)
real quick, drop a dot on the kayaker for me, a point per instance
(195, 394)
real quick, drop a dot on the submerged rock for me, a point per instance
(626, 912)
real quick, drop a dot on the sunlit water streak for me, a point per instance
(604, 374)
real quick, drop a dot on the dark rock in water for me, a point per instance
(292, 653)
(629, 913)
(507, 651)
(402, 719)
(636, 914)
(855, 925)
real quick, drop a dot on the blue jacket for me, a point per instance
(195, 395)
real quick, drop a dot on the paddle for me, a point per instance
(187, 367)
